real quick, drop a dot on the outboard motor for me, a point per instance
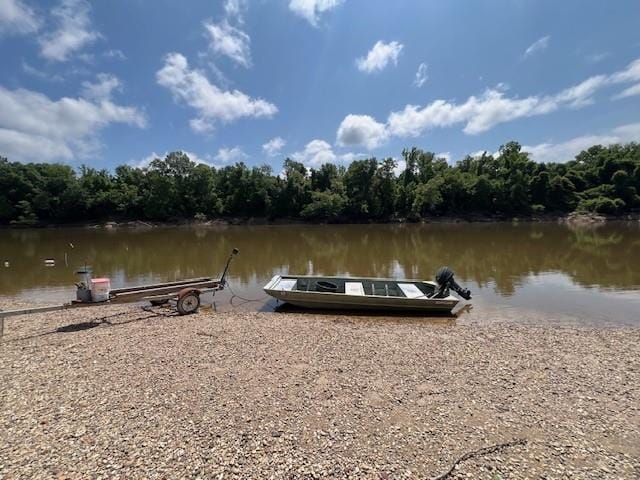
(445, 280)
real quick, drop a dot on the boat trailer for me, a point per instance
(184, 294)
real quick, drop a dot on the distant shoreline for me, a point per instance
(572, 218)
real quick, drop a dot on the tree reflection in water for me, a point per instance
(499, 255)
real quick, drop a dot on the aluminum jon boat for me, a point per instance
(355, 293)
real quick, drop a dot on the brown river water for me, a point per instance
(541, 273)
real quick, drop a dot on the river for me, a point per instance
(526, 273)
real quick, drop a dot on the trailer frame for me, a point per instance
(185, 293)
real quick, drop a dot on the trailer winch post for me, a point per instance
(223, 278)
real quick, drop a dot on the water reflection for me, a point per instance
(496, 260)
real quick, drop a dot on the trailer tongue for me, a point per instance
(184, 294)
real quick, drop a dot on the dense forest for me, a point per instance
(600, 179)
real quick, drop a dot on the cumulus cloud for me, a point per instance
(315, 153)
(537, 46)
(212, 104)
(311, 10)
(380, 55)
(480, 113)
(318, 152)
(227, 155)
(421, 75)
(197, 159)
(361, 130)
(17, 17)
(74, 31)
(565, 151)
(229, 41)
(34, 127)
(273, 146)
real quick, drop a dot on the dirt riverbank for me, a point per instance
(119, 392)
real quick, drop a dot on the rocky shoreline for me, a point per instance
(121, 392)
(575, 218)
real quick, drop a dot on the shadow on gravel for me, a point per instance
(79, 327)
(375, 316)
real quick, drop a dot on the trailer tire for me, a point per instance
(188, 301)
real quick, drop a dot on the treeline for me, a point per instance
(600, 179)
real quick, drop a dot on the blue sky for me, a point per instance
(119, 81)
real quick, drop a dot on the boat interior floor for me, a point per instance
(364, 287)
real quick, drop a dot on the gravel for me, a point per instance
(119, 392)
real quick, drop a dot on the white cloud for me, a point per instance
(479, 153)
(229, 41)
(201, 125)
(197, 159)
(629, 74)
(17, 17)
(31, 70)
(491, 108)
(400, 166)
(564, 151)
(115, 54)
(479, 113)
(310, 10)
(318, 152)
(102, 89)
(538, 45)
(273, 146)
(581, 94)
(211, 103)
(445, 155)
(380, 55)
(421, 75)
(361, 130)
(227, 155)
(628, 92)
(73, 33)
(351, 156)
(234, 8)
(315, 153)
(35, 128)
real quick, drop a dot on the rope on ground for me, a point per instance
(245, 300)
(480, 451)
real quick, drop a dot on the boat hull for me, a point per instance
(343, 301)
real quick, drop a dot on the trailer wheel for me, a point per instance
(188, 301)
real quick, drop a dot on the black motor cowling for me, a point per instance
(445, 280)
